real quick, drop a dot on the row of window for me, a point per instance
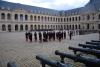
(37, 27)
(22, 17)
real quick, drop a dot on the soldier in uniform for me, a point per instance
(30, 36)
(64, 34)
(53, 35)
(44, 36)
(35, 36)
(57, 35)
(40, 37)
(70, 35)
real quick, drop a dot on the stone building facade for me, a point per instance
(18, 17)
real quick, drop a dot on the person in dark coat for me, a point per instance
(59, 36)
(26, 36)
(40, 37)
(70, 35)
(30, 36)
(44, 36)
(64, 34)
(54, 35)
(35, 36)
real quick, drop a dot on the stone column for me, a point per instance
(19, 17)
(5, 16)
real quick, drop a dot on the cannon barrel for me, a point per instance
(90, 46)
(93, 43)
(45, 61)
(11, 64)
(87, 51)
(89, 62)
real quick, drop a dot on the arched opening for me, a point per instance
(2, 16)
(16, 16)
(3, 27)
(48, 26)
(35, 27)
(61, 20)
(98, 26)
(26, 17)
(64, 27)
(26, 27)
(45, 26)
(61, 27)
(16, 27)
(99, 16)
(35, 18)
(31, 18)
(56, 27)
(31, 27)
(21, 17)
(75, 26)
(64, 20)
(79, 18)
(48, 18)
(70, 19)
(76, 18)
(88, 26)
(8, 16)
(21, 27)
(41, 18)
(72, 27)
(38, 27)
(51, 18)
(9, 28)
(79, 27)
(41, 26)
(67, 27)
(45, 18)
(51, 27)
(38, 18)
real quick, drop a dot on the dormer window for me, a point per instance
(8, 8)
(2, 7)
(31, 10)
(21, 9)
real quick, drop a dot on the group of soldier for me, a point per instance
(46, 36)
(28, 36)
(52, 35)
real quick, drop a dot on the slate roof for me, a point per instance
(33, 9)
(91, 6)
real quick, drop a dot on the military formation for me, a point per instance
(46, 36)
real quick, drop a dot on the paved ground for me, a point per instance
(13, 47)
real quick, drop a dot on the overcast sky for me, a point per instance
(53, 4)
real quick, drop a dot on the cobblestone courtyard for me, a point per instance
(13, 47)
